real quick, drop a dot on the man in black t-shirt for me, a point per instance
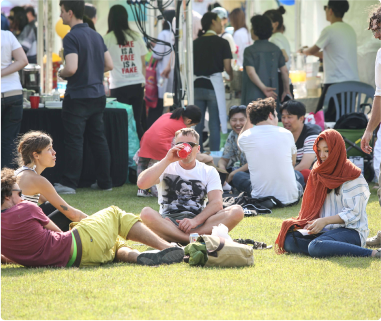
(86, 59)
(293, 113)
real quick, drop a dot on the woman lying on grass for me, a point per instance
(35, 154)
(333, 212)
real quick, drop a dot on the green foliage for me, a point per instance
(276, 287)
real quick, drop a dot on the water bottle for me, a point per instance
(56, 95)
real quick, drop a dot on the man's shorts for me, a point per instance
(180, 216)
(103, 234)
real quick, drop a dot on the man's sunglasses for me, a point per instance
(376, 31)
(189, 143)
(18, 190)
(325, 8)
(239, 107)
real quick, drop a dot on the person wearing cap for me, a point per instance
(337, 46)
(223, 14)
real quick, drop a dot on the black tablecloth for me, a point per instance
(116, 130)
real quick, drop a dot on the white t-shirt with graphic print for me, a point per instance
(127, 60)
(182, 189)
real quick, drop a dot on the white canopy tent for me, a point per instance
(304, 21)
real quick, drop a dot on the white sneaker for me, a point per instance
(143, 193)
(226, 187)
(61, 189)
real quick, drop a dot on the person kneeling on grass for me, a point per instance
(333, 213)
(30, 238)
(183, 186)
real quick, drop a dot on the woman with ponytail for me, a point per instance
(128, 50)
(332, 220)
(157, 139)
(277, 38)
(211, 55)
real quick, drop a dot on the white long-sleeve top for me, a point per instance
(350, 205)
(378, 74)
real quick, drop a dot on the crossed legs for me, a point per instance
(167, 230)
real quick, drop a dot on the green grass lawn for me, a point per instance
(276, 287)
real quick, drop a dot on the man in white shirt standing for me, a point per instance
(223, 14)
(337, 46)
(184, 186)
(375, 26)
(271, 154)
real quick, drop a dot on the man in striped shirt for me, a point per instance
(293, 114)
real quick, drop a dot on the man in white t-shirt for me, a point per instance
(375, 26)
(271, 154)
(337, 46)
(184, 186)
(11, 95)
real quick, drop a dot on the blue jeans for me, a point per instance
(299, 177)
(338, 242)
(11, 116)
(206, 98)
(241, 181)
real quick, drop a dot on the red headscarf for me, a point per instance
(335, 171)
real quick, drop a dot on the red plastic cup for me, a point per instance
(184, 153)
(34, 101)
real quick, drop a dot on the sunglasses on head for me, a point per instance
(18, 190)
(189, 143)
(239, 107)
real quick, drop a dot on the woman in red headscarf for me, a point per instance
(332, 220)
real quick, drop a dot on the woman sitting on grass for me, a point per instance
(333, 215)
(35, 154)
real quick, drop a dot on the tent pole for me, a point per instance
(298, 25)
(49, 47)
(40, 42)
(189, 74)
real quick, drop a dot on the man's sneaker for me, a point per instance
(143, 193)
(375, 240)
(61, 189)
(249, 213)
(156, 257)
(95, 186)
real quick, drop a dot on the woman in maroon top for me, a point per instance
(157, 140)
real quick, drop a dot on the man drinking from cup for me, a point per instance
(181, 182)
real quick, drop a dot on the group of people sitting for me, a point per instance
(332, 220)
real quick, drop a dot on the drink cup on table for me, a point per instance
(34, 101)
(184, 153)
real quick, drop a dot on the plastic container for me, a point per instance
(184, 153)
(56, 95)
(34, 101)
